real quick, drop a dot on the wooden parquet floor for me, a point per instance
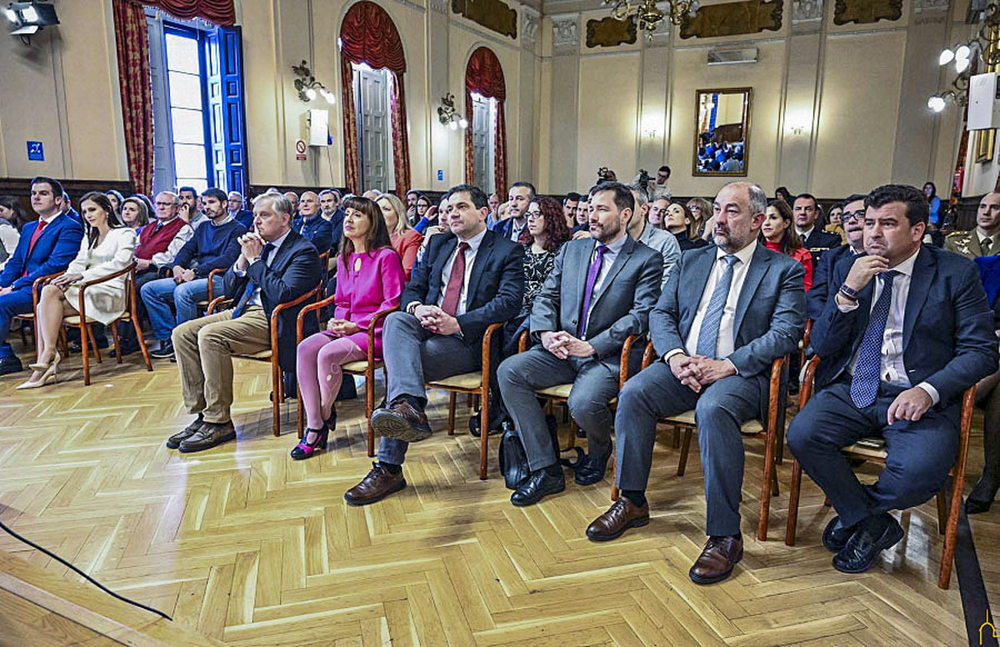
(246, 546)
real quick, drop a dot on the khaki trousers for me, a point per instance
(204, 349)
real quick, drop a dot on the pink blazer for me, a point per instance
(370, 283)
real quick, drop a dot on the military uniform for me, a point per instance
(967, 244)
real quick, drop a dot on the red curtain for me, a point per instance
(221, 12)
(369, 36)
(484, 75)
(132, 44)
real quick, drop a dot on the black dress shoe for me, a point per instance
(538, 485)
(591, 470)
(981, 503)
(836, 535)
(871, 537)
(10, 365)
(175, 441)
(127, 349)
(972, 506)
(496, 423)
(165, 351)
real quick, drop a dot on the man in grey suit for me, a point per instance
(725, 315)
(599, 292)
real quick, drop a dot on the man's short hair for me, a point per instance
(917, 207)
(527, 185)
(479, 198)
(854, 197)
(278, 202)
(640, 192)
(805, 196)
(664, 169)
(213, 192)
(235, 193)
(572, 196)
(623, 194)
(412, 192)
(187, 188)
(57, 187)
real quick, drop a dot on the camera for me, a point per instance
(604, 174)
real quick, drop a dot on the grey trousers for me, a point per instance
(720, 410)
(594, 384)
(414, 356)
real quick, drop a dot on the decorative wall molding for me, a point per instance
(734, 19)
(608, 32)
(440, 6)
(565, 34)
(920, 6)
(662, 35)
(529, 25)
(495, 15)
(864, 12)
(807, 10)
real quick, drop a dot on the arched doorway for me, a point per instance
(371, 55)
(486, 138)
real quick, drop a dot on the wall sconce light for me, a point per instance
(28, 18)
(798, 124)
(449, 116)
(307, 85)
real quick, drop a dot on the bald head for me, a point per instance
(308, 204)
(988, 215)
(739, 212)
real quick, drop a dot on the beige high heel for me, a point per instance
(42, 366)
(48, 377)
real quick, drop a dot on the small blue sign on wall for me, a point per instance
(440, 174)
(35, 152)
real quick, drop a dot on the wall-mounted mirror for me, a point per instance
(722, 132)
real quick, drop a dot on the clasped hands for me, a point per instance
(182, 275)
(698, 371)
(564, 345)
(342, 327)
(63, 281)
(251, 246)
(436, 320)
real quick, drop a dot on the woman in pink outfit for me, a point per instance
(370, 279)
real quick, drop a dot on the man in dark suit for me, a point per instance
(907, 333)
(469, 278)
(726, 314)
(599, 292)
(853, 221)
(817, 241)
(518, 198)
(311, 225)
(46, 246)
(276, 265)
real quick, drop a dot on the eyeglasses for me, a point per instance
(851, 215)
(166, 204)
(533, 215)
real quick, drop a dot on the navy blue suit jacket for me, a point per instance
(948, 338)
(57, 245)
(294, 270)
(496, 284)
(822, 290)
(504, 227)
(316, 229)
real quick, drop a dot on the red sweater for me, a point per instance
(802, 255)
(155, 238)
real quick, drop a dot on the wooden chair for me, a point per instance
(85, 324)
(271, 354)
(773, 433)
(203, 305)
(475, 383)
(29, 317)
(947, 525)
(560, 392)
(365, 367)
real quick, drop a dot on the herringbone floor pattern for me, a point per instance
(248, 547)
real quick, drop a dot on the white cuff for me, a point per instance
(931, 391)
(671, 353)
(843, 308)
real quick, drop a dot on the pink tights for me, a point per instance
(318, 361)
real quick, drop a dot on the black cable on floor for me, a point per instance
(79, 572)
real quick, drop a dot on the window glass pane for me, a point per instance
(188, 126)
(182, 54)
(199, 184)
(189, 161)
(185, 90)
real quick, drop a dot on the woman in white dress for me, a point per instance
(108, 247)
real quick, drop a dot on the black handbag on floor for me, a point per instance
(513, 460)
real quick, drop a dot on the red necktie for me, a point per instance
(31, 245)
(455, 282)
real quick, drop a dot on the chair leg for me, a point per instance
(84, 346)
(793, 503)
(572, 433)
(769, 484)
(677, 437)
(118, 346)
(300, 417)
(451, 413)
(951, 532)
(278, 387)
(614, 478)
(142, 342)
(942, 510)
(370, 408)
(685, 448)
(470, 400)
(781, 445)
(93, 343)
(484, 412)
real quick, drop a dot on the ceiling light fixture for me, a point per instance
(307, 86)
(648, 17)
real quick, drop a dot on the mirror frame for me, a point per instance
(746, 132)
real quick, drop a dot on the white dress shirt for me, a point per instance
(255, 297)
(515, 229)
(891, 367)
(610, 255)
(470, 259)
(727, 332)
(993, 242)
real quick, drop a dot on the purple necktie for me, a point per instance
(588, 292)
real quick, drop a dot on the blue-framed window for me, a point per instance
(184, 56)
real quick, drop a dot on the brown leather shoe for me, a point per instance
(210, 435)
(622, 515)
(175, 441)
(402, 421)
(717, 560)
(379, 484)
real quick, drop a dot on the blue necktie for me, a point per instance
(588, 292)
(708, 336)
(864, 384)
(251, 285)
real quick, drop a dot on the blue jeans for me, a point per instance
(158, 296)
